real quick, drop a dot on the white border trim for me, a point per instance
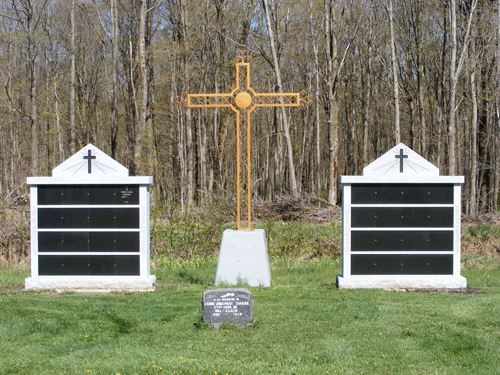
(346, 230)
(401, 179)
(91, 180)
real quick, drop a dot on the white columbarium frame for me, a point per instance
(410, 168)
(105, 171)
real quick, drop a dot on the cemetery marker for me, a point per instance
(243, 100)
(234, 305)
(243, 256)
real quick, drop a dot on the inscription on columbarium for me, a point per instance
(229, 305)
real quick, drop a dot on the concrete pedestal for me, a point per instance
(402, 282)
(92, 283)
(243, 259)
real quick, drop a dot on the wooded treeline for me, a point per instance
(109, 72)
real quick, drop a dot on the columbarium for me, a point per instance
(401, 225)
(90, 226)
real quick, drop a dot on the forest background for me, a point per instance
(109, 72)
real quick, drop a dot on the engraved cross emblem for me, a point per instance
(401, 158)
(89, 157)
(243, 100)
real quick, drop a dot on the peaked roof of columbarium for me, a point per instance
(401, 164)
(100, 164)
(90, 165)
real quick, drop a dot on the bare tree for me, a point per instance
(28, 16)
(291, 166)
(454, 75)
(114, 100)
(395, 82)
(72, 74)
(316, 96)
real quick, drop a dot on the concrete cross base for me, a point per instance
(243, 259)
(402, 282)
(92, 283)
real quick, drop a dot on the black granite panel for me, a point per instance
(88, 241)
(50, 218)
(102, 194)
(62, 265)
(401, 217)
(101, 241)
(75, 241)
(75, 265)
(75, 218)
(62, 218)
(114, 241)
(49, 194)
(127, 241)
(402, 241)
(102, 218)
(88, 194)
(127, 265)
(50, 241)
(401, 264)
(102, 265)
(50, 265)
(402, 194)
(127, 194)
(82, 218)
(75, 195)
(126, 218)
(83, 265)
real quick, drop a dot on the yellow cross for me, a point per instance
(243, 100)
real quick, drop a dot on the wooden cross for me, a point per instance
(243, 100)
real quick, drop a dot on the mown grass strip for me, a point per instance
(303, 324)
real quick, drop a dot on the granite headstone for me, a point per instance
(228, 305)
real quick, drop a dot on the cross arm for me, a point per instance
(301, 99)
(207, 100)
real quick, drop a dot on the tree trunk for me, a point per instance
(395, 83)
(332, 69)
(151, 154)
(188, 126)
(286, 130)
(440, 96)
(497, 108)
(72, 74)
(454, 75)
(473, 141)
(366, 82)
(421, 95)
(114, 100)
(353, 112)
(453, 89)
(318, 120)
(143, 89)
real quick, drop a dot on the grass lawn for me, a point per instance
(303, 325)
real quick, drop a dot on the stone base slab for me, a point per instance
(243, 259)
(91, 283)
(402, 282)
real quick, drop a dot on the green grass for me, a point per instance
(293, 239)
(303, 325)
